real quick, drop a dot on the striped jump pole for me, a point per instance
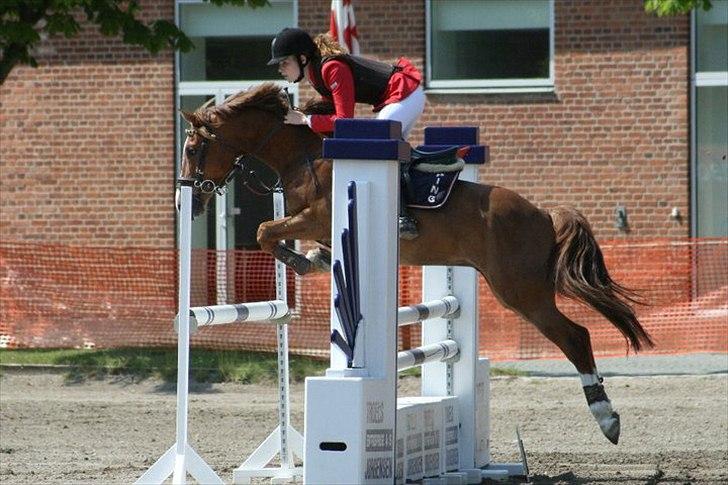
(437, 352)
(443, 307)
(263, 311)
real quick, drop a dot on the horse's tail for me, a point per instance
(580, 273)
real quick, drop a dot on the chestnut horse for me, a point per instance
(525, 254)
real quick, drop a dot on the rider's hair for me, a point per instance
(327, 46)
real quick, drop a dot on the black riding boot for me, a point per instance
(407, 223)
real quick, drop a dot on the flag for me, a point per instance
(342, 25)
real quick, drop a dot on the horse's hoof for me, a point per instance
(610, 428)
(293, 259)
(301, 266)
(320, 259)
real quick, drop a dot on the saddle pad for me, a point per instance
(429, 190)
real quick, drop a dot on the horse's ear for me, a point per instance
(210, 102)
(214, 119)
(188, 117)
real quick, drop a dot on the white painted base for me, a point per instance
(256, 466)
(349, 434)
(179, 464)
(501, 471)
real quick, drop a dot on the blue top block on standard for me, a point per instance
(452, 135)
(364, 139)
(357, 128)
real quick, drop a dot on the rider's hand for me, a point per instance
(294, 117)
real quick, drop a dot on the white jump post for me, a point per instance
(284, 441)
(468, 378)
(181, 458)
(459, 378)
(352, 413)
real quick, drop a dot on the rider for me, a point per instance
(394, 91)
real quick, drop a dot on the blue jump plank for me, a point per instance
(355, 149)
(356, 128)
(452, 135)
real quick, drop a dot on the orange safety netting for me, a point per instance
(74, 297)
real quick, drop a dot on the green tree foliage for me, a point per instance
(675, 7)
(24, 23)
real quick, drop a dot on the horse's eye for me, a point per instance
(191, 151)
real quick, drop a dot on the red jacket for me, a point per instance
(340, 81)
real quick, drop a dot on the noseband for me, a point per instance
(208, 186)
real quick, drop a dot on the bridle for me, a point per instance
(209, 186)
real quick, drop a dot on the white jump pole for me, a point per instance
(181, 458)
(350, 412)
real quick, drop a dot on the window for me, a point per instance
(231, 43)
(712, 38)
(710, 121)
(493, 44)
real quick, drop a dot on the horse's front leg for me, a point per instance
(302, 226)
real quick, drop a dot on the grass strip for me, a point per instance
(205, 365)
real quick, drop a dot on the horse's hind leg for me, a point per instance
(539, 308)
(574, 341)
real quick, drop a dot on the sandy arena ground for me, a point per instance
(674, 429)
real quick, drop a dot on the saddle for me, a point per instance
(428, 178)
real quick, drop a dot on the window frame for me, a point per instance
(515, 85)
(698, 79)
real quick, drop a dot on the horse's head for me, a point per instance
(222, 138)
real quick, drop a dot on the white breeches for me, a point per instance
(407, 111)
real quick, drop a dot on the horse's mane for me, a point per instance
(318, 107)
(267, 97)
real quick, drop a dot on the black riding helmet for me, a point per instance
(292, 42)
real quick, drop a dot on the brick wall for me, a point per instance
(87, 142)
(615, 131)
